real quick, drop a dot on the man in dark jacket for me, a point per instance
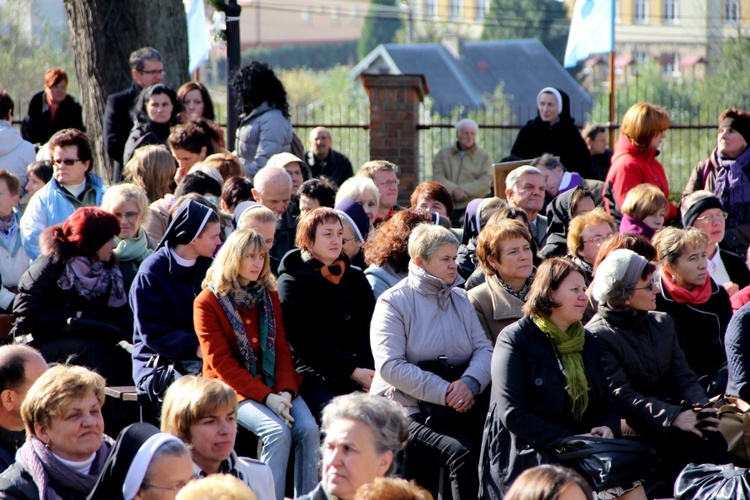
(20, 366)
(324, 161)
(147, 69)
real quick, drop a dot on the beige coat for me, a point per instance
(471, 171)
(495, 307)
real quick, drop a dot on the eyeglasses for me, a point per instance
(713, 218)
(153, 72)
(394, 182)
(597, 240)
(130, 216)
(174, 489)
(67, 161)
(650, 287)
(347, 240)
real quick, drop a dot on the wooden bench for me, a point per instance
(123, 393)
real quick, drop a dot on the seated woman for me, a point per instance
(431, 196)
(560, 212)
(238, 321)
(155, 110)
(227, 164)
(648, 375)
(356, 231)
(504, 250)
(586, 234)
(38, 174)
(144, 464)
(164, 289)
(316, 193)
(704, 210)
(252, 215)
(189, 145)
(66, 448)
(152, 168)
(549, 482)
(423, 319)
(547, 382)
(234, 191)
(129, 204)
(478, 213)
(376, 427)
(73, 299)
(644, 211)
(387, 251)
(362, 190)
(701, 309)
(202, 412)
(334, 355)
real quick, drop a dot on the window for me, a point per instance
(671, 11)
(483, 8)
(456, 9)
(731, 11)
(430, 8)
(640, 11)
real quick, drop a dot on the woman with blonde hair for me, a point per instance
(151, 168)
(242, 338)
(202, 412)
(362, 190)
(634, 162)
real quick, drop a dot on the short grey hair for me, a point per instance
(514, 177)
(387, 420)
(426, 239)
(139, 57)
(171, 448)
(466, 122)
(272, 175)
(354, 189)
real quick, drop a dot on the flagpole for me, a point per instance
(612, 80)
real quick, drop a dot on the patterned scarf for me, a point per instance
(91, 279)
(733, 187)
(248, 299)
(333, 273)
(569, 345)
(36, 459)
(523, 292)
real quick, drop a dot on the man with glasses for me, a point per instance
(147, 69)
(383, 174)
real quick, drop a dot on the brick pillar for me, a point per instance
(394, 116)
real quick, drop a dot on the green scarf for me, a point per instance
(133, 248)
(569, 346)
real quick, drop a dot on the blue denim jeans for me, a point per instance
(277, 441)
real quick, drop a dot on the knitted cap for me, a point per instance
(616, 277)
(739, 123)
(700, 206)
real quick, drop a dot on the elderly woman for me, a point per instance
(560, 212)
(238, 321)
(264, 127)
(504, 250)
(144, 464)
(375, 427)
(362, 190)
(478, 213)
(129, 204)
(634, 162)
(73, 300)
(646, 368)
(586, 234)
(726, 173)
(419, 322)
(334, 355)
(554, 131)
(66, 447)
(547, 382)
(202, 412)
(431, 196)
(73, 186)
(705, 211)
(387, 251)
(700, 308)
(155, 110)
(356, 231)
(52, 109)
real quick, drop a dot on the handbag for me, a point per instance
(607, 462)
(437, 414)
(734, 425)
(164, 372)
(712, 482)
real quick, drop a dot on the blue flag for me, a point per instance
(198, 45)
(592, 30)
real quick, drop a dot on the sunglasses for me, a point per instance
(67, 161)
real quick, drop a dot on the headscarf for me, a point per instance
(472, 219)
(241, 209)
(187, 225)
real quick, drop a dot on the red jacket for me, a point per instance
(221, 353)
(632, 166)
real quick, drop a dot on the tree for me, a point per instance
(104, 33)
(381, 24)
(545, 20)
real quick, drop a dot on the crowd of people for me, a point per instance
(284, 293)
